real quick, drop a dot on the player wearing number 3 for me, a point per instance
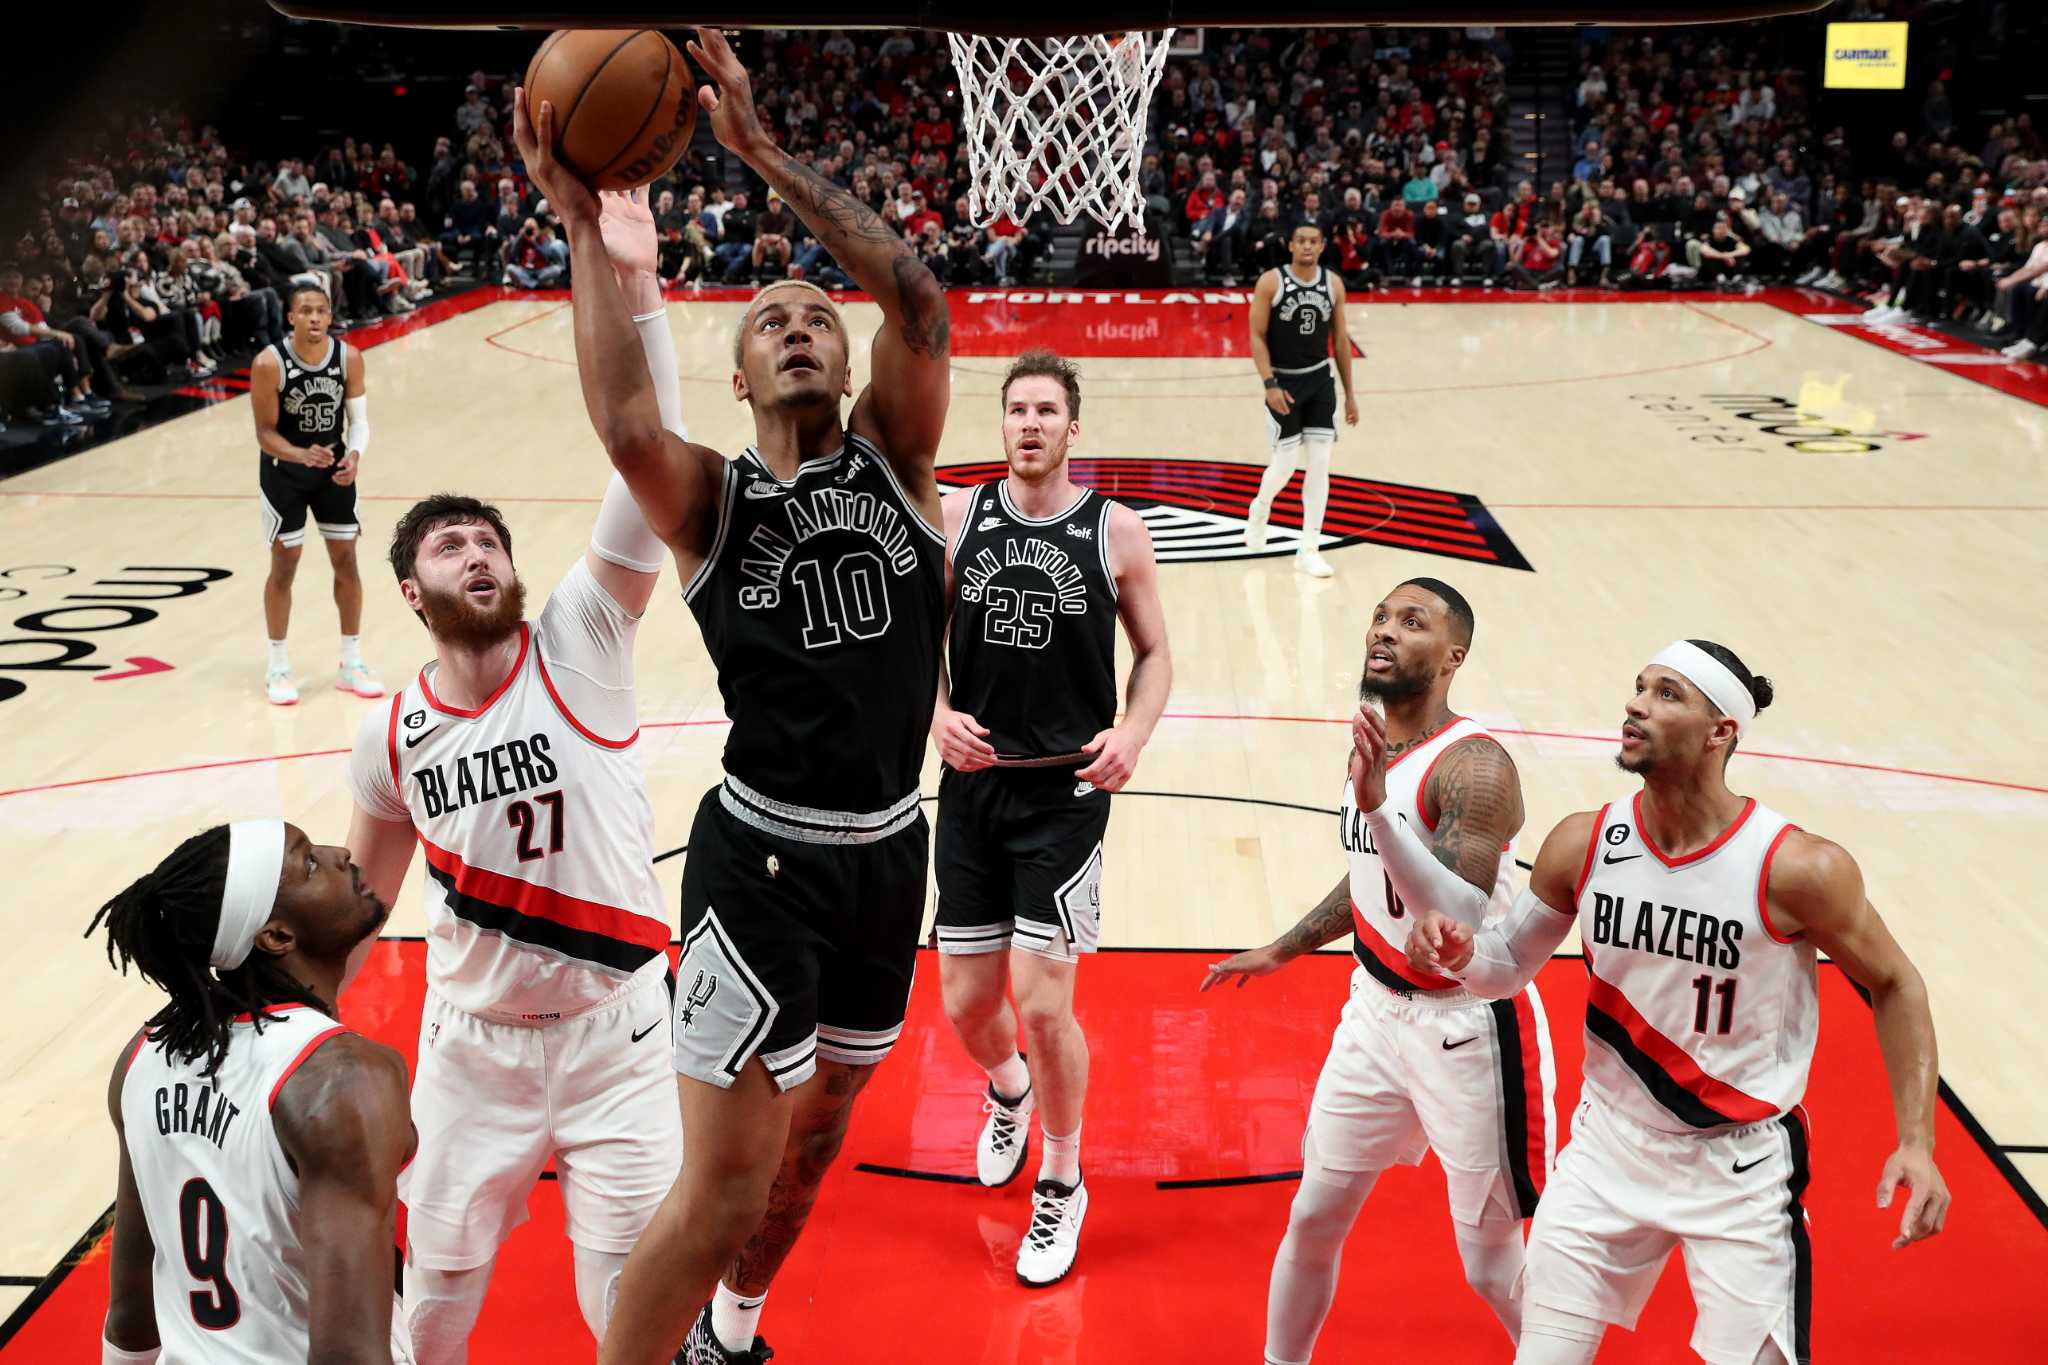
(1701, 913)
(814, 564)
(1427, 816)
(512, 763)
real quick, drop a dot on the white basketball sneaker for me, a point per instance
(1005, 1139)
(1047, 1252)
(358, 678)
(1307, 561)
(278, 686)
(1255, 525)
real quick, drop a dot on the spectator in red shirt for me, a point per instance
(1204, 199)
(934, 125)
(1397, 240)
(923, 213)
(1540, 263)
(23, 327)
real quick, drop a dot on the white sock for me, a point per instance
(280, 660)
(1305, 1269)
(733, 1319)
(1061, 1159)
(1492, 1255)
(1010, 1078)
(1315, 489)
(352, 650)
(1278, 472)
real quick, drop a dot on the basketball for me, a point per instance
(624, 108)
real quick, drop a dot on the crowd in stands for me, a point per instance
(160, 250)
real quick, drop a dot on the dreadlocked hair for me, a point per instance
(164, 924)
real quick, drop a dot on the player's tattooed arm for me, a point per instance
(1328, 922)
(1477, 796)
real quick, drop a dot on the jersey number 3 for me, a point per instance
(203, 1228)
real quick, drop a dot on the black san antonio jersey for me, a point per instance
(821, 604)
(309, 397)
(1032, 651)
(1298, 328)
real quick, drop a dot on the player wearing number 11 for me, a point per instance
(1701, 913)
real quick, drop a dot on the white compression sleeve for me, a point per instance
(1418, 878)
(1506, 956)
(660, 349)
(358, 409)
(622, 535)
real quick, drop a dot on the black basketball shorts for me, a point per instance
(1315, 408)
(799, 935)
(1019, 862)
(289, 491)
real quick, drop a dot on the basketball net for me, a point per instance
(1057, 123)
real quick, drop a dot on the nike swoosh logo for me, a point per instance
(1084, 789)
(1740, 1167)
(412, 741)
(1610, 858)
(1453, 1047)
(649, 1029)
(763, 490)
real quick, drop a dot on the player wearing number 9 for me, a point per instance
(1701, 913)
(260, 1140)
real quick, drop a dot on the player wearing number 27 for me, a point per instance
(1427, 816)
(1701, 913)
(512, 764)
(814, 564)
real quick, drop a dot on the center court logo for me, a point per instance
(1196, 510)
(1820, 421)
(73, 618)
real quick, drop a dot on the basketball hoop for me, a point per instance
(1057, 123)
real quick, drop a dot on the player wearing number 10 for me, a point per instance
(814, 565)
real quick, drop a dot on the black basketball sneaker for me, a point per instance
(702, 1347)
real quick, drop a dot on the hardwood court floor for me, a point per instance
(1597, 476)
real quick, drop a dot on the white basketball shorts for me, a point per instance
(494, 1103)
(1625, 1195)
(1472, 1080)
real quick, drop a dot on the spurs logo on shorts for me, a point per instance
(697, 997)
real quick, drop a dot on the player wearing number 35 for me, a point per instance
(1701, 913)
(814, 565)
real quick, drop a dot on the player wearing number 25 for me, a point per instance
(1701, 913)
(815, 566)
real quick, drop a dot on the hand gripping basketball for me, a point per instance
(534, 133)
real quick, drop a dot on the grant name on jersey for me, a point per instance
(813, 514)
(206, 1114)
(1666, 930)
(501, 770)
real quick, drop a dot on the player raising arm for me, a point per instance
(1702, 913)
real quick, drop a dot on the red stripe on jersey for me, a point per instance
(1532, 1085)
(1394, 961)
(427, 690)
(1748, 809)
(250, 1018)
(1675, 1061)
(135, 1050)
(1422, 788)
(1763, 888)
(1592, 847)
(556, 697)
(391, 744)
(541, 902)
(1395, 761)
(300, 1060)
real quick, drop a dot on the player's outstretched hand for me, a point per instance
(1369, 758)
(627, 225)
(1244, 966)
(1438, 944)
(1926, 1210)
(534, 132)
(1116, 758)
(962, 741)
(345, 472)
(731, 106)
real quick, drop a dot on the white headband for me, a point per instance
(1713, 678)
(255, 862)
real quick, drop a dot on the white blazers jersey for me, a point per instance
(1698, 1015)
(1379, 919)
(532, 816)
(219, 1196)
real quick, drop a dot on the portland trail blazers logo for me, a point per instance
(1196, 509)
